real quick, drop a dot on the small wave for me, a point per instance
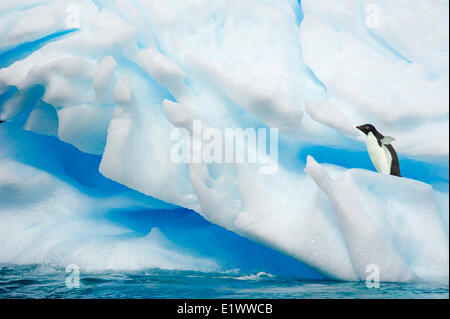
(259, 276)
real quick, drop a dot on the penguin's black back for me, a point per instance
(395, 165)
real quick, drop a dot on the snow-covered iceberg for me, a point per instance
(91, 92)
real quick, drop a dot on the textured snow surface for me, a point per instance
(114, 78)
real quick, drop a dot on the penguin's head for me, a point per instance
(367, 128)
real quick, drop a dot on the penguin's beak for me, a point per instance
(359, 127)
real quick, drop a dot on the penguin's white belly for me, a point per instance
(380, 156)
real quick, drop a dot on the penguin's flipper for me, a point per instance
(387, 140)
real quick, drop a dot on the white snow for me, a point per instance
(103, 78)
(45, 220)
(387, 221)
(368, 87)
(418, 30)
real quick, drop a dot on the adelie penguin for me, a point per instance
(381, 152)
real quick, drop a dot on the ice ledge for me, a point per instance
(387, 221)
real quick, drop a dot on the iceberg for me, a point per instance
(92, 91)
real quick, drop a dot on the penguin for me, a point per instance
(381, 152)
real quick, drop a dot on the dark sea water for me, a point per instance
(43, 282)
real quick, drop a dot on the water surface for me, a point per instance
(37, 281)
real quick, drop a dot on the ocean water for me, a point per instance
(36, 281)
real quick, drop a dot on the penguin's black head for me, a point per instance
(366, 128)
